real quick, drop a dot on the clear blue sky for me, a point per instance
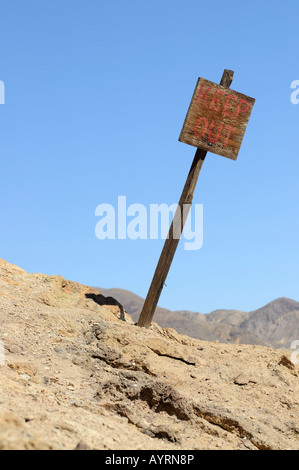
(96, 95)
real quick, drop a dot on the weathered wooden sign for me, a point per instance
(217, 118)
(216, 122)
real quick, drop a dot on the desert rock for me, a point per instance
(79, 374)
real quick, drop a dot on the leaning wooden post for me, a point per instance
(176, 229)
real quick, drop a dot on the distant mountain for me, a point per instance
(275, 325)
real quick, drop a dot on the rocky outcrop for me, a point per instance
(79, 374)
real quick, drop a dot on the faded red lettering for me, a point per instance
(227, 104)
(215, 100)
(240, 109)
(218, 132)
(203, 95)
(229, 129)
(197, 126)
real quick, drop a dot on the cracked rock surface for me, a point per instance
(78, 374)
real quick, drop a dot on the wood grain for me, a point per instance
(216, 120)
(176, 229)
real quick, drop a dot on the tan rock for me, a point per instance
(80, 375)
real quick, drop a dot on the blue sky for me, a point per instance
(96, 93)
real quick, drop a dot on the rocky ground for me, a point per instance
(78, 374)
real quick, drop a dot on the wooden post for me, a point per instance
(179, 219)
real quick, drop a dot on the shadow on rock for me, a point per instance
(102, 300)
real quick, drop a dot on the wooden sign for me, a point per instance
(216, 122)
(217, 118)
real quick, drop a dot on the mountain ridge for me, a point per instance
(276, 324)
